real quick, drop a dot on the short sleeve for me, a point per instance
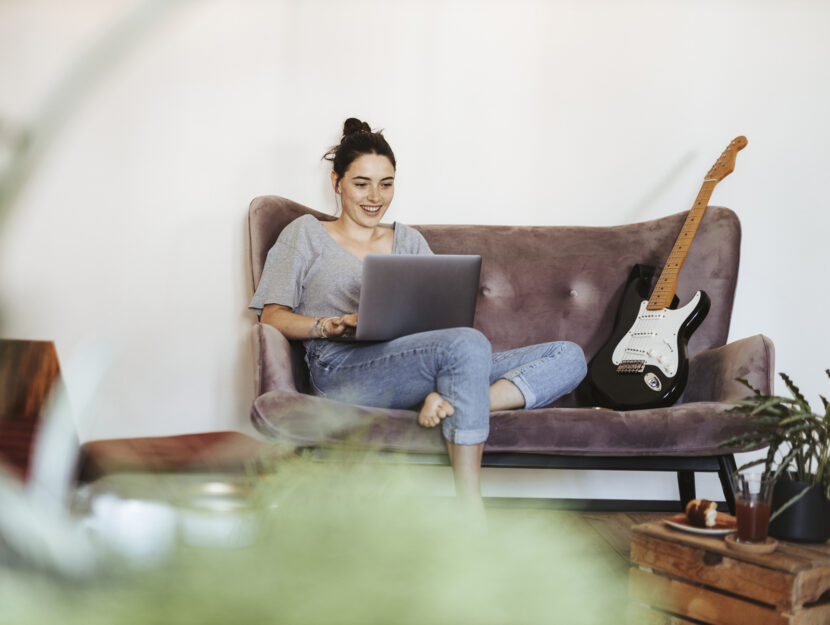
(282, 276)
(421, 244)
(411, 241)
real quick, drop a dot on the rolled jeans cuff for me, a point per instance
(464, 437)
(524, 388)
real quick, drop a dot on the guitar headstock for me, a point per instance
(725, 165)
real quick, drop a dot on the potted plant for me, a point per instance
(797, 460)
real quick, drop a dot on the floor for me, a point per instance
(609, 532)
(614, 528)
(605, 541)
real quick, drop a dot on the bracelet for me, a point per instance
(313, 330)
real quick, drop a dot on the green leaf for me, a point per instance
(796, 392)
(794, 429)
(746, 383)
(788, 503)
(785, 463)
(749, 465)
(750, 439)
(772, 407)
(770, 459)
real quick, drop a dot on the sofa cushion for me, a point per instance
(682, 430)
(544, 283)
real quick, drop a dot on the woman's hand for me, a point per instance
(339, 326)
(300, 327)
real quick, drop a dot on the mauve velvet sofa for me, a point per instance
(540, 284)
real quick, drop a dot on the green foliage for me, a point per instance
(353, 541)
(798, 438)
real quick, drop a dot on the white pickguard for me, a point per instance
(652, 337)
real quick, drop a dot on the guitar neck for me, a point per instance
(666, 285)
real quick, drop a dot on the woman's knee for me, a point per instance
(463, 347)
(469, 343)
(573, 351)
(573, 359)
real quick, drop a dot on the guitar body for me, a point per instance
(645, 364)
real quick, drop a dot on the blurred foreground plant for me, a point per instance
(352, 541)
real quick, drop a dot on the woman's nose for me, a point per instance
(374, 193)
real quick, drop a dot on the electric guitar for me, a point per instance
(644, 363)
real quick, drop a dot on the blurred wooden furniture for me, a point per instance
(209, 451)
(28, 370)
(679, 578)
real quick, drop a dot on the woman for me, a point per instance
(310, 288)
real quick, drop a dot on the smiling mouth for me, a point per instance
(370, 209)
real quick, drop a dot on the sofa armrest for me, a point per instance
(713, 373)
(274, 370)
(301, 420)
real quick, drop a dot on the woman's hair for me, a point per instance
(358, 139)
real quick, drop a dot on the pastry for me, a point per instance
(702, 512)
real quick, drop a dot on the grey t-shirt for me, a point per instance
(308, 271)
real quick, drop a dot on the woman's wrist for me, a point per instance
(324, 333)
(319, 329)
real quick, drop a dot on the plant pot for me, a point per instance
(807, 520)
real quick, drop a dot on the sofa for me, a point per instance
(543, 283)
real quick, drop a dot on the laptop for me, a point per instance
(404, 294)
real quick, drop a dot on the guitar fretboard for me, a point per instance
(666, 285)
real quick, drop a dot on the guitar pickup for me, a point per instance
(631, 366)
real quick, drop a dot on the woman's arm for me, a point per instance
(300, 327)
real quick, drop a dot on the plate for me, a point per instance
(725, 524)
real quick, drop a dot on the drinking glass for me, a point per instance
(753, 493)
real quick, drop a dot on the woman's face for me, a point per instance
(366, 189)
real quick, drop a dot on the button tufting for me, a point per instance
(485, 290)
(573, 293)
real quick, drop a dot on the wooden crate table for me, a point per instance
(677, 578)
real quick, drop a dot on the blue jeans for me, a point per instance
(457, 363)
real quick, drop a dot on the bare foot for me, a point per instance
(435, 409)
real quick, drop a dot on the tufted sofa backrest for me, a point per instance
(544, 283)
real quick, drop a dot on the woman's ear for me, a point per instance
(334, 182)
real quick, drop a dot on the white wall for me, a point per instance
(129, 232)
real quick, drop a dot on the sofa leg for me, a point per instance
(686, 485)
(727, 468)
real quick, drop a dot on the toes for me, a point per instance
(444, 410)
(435, 408)
(429, 421)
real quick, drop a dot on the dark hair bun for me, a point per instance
(354, 125)
(358, 139)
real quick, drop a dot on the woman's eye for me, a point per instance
(360, 184)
